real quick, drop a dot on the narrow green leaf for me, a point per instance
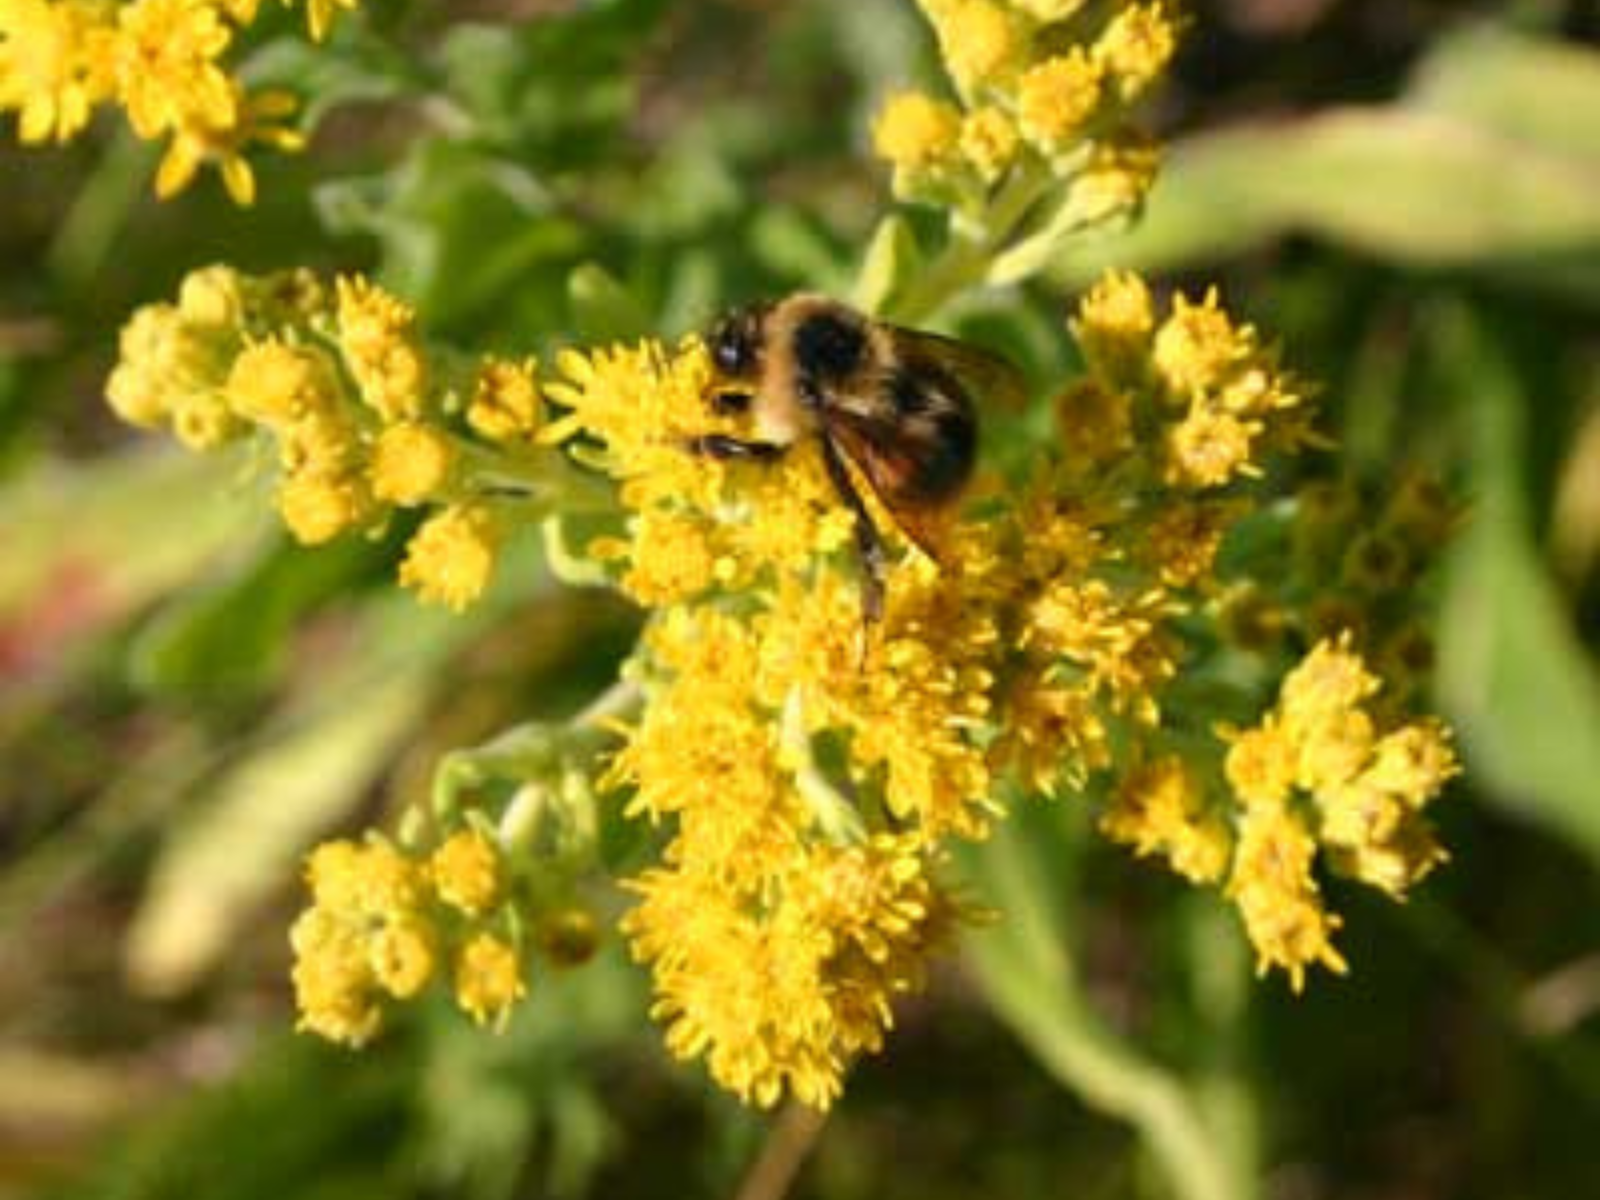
(1513, 675)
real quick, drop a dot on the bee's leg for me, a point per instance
(869, 541)
(720, 446)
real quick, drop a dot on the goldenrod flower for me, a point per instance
(1136, 47)
(1113, 326)
(166, 67)
(506, 405)
(980, 40)
(466, 872)
(1198, 346)
(317, 506)
(488, 979)
(916, 133)
(1160, 809)
(197, 141)
(989, 142)
(1276, 895)
(411, 463)
(377, 336)
(451, 559)
(1057, 97)
(55, 65)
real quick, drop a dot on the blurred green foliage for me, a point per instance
(1410, 198)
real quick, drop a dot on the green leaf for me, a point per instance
(602, 309)
(313, 764)
(349, 71)
(892, 257)
(1514, 677)
(230, 637)
(123, 528)
(1489, 164)
(1537, 91)
(468, 237)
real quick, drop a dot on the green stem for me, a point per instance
(965, 259)
(1021, 966)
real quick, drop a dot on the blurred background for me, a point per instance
(1405, 192)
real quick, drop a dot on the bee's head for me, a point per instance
(735, 343)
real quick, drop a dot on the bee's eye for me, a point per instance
(733, 347)
(731, 404)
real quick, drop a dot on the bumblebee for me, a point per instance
(892, 404)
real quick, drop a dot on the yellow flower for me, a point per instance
(167, 74)
(466, 872)
(916, 133)
(989, 142)
(506, 405)
(1210, 447)
(317, 507)
(54, 65)
(1096, 422)
(335, 991)
(197, 141)
(411, 463)
(280, 385)
(402, 957)
(1160, 809)
(1056, 98)
(1114, 181)
(1113, 326)
(981, 42)
(488, 979)
(1198, 346)
(320, 15)
(1261, 764)
(451, 559)
(365, 937)
(1272, 886)
(1136, 47)
(377, 335)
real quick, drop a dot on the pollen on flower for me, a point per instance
(451, 559)
(488, 979)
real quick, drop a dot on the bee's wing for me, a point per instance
(989, 376)
(914, 461)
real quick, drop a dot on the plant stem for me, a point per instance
(1023, 969)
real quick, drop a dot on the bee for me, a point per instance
(892, 404)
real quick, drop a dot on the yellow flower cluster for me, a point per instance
(1044, 90)
(161, 61)
(810, 770)
(383, 925)
(1223, 401)
(1321, 773)
(781, 738)
(339, 382)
